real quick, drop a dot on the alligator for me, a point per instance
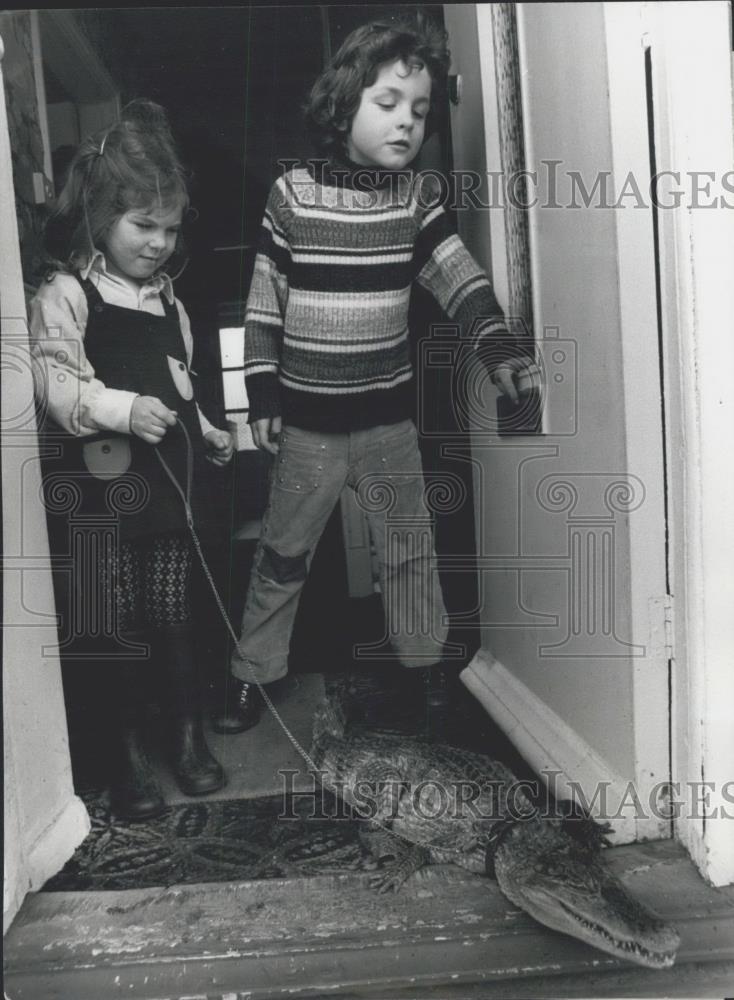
(426, 803)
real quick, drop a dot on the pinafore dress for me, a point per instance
(118, 478)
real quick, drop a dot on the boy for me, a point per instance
(327, 363)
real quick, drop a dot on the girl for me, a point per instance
(113, 347)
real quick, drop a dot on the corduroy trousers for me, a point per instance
(383, 466)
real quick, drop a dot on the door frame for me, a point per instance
(691, 60)
(44, 819)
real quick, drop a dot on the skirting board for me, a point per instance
(550, 745)
(58, 841)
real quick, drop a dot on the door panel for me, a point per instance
(572, 522)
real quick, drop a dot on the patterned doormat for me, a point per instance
(224, 841)
(259, 838)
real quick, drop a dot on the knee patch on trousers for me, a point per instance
(280, 568)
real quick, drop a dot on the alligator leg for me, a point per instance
(408, 857)
(580, 825)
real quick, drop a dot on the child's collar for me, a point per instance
(159, 283)
(344, 172)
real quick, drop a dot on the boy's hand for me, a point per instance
(150, 418)
(504, 378)
(265, 433)
(219, 446)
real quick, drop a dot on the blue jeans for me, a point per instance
(383, 466)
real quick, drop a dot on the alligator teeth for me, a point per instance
(633, 947)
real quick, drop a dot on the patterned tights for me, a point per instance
(151, 580)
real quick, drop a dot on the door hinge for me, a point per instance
(668, 626)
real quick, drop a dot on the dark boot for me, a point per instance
(237, 708)
(194, 767)
(134, 790)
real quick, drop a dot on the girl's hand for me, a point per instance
(220, 446)
(150, 418)
(265, 433)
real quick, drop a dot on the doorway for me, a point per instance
(264, 63)
(120, 953)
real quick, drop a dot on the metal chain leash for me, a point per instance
(186, 499)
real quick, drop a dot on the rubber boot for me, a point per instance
(195, 769)
(135, 793)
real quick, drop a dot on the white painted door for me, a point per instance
(572, 523)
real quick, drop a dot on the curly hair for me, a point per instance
(336, 94)
(131, 164)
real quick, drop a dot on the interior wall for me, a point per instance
(556, 509)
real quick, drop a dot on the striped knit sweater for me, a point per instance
(326, 321)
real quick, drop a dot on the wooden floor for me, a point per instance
(447, 934)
